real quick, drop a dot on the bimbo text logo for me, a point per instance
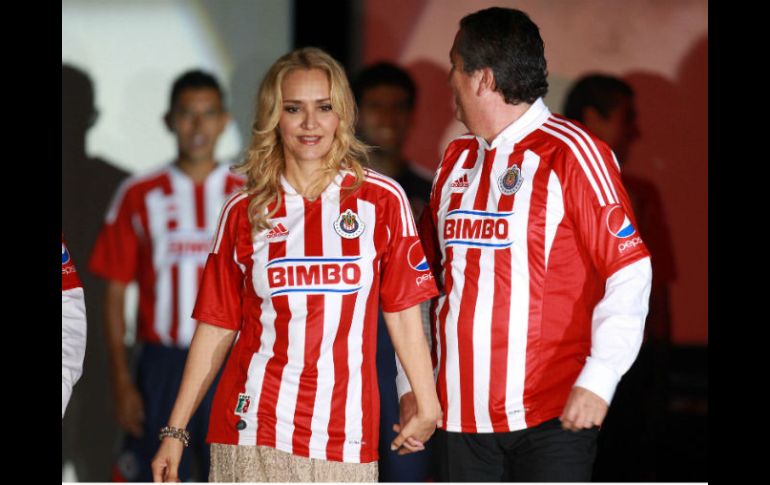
(477, 229)
(313, 275)
(619, 224)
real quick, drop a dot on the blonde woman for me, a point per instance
(301, 260)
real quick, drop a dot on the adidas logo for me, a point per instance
(461, 183)
(278, 231)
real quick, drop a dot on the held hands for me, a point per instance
(165, 465)
(583, 410)
(415, 427)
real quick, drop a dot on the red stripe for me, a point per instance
(200, 206)
(455, 201)
(370, 392)
(536, 263)
(271, 384)
(314, 324)
(468, 306)
(501, 312)
(337, 420)
(473, 155)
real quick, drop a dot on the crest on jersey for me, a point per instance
(619, 224)
(510, 181)
(244, 401)
(349, 225)
(65, 255)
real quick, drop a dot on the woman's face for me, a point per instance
(307, 124)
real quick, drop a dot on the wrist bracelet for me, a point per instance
(181, 434)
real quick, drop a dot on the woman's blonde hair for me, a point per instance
(264, 162)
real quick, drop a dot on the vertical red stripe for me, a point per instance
(174, 332)
(172, 225)
(536, 264)
(200, 206)
(473, 152)
(455, 200)
(314, 323)
(468, 306)
(338, 418)
(501, 313)
(271, 384)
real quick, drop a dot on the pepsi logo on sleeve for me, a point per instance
(416, 258)
(619, 224)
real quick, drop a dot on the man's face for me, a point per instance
(197, 119)
(463, 88)
(384, 117)
(618, 129)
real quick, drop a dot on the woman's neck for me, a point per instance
(304, 178)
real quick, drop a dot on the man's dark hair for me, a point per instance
(599, 91)
(195, 79)
(384, 73)
(509, 43)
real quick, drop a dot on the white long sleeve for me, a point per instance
(617, 329)
(73, 341)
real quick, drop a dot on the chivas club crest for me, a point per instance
(349, 225)
(510, 181)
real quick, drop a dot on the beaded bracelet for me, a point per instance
(181, 434)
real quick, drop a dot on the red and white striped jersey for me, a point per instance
(545, 278)
(158, 231)
(73, 326)
(302, 375)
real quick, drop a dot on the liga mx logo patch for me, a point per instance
(348, 225)
(416, 258)
(510, 181)
(619, 224)
(244, 400)
(65, 255)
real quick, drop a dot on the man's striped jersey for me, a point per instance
(158, 231)
(303, 295)
(545, 277)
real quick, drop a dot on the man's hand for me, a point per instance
(408, 412)
(129, 408)
(584, 410)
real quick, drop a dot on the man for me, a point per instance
(545, 278)
(158, 232)
(626, 447)
(386, 96)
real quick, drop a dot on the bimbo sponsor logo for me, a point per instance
(314, 275)
(478, 229)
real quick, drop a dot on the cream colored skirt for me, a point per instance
(244, 463)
